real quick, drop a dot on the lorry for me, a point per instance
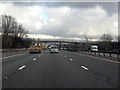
(35, 47)
(94, 48)
(44, 47)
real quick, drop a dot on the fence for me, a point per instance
(105, 53)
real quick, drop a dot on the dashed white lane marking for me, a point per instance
(22, 67)
(5, 77)
(65, 56)
(84, 67)
(39, 55)
(34, 59)
(71, 59)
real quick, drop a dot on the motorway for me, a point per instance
(62, 70)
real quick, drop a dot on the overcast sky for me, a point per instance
(65, 19)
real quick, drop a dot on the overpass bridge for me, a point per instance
(59, 41)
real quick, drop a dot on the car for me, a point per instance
(61, 48)
(54, 50)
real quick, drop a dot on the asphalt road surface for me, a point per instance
(62, 70)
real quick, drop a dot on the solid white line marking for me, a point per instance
(8, 57)
(11, 56)
(109, 60)
(22, 67)
(97, 58)
(84, 67)
(19, 54)
(82, 54)
(71, 59)
(93, 57)
(34, 59)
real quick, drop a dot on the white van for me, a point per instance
(94, 48)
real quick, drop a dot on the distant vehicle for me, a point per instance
(35, 48)
(64, 48)
(44, 47)
(61, 48)
(53, 49)
(94, 48)
(49, 47)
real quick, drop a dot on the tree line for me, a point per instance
(104, 43)
(13, 34)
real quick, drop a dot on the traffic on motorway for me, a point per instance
(59, 44)
(65, 69)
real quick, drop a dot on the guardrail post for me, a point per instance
(95, 53)
(103, 54)
(110, 54)
(118, 56)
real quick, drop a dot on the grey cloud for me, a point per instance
(110, 7)
(68, 23)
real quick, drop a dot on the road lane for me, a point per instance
(10, 65)
(12, 58)
(101, 68)
(58, 71)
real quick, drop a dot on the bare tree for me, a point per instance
(21, 31)
(0, 24)
(86, 39)
(106, 43)
(8, 24)
(87, 43)
(12, 32)
(118, 38)
(106, 37)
